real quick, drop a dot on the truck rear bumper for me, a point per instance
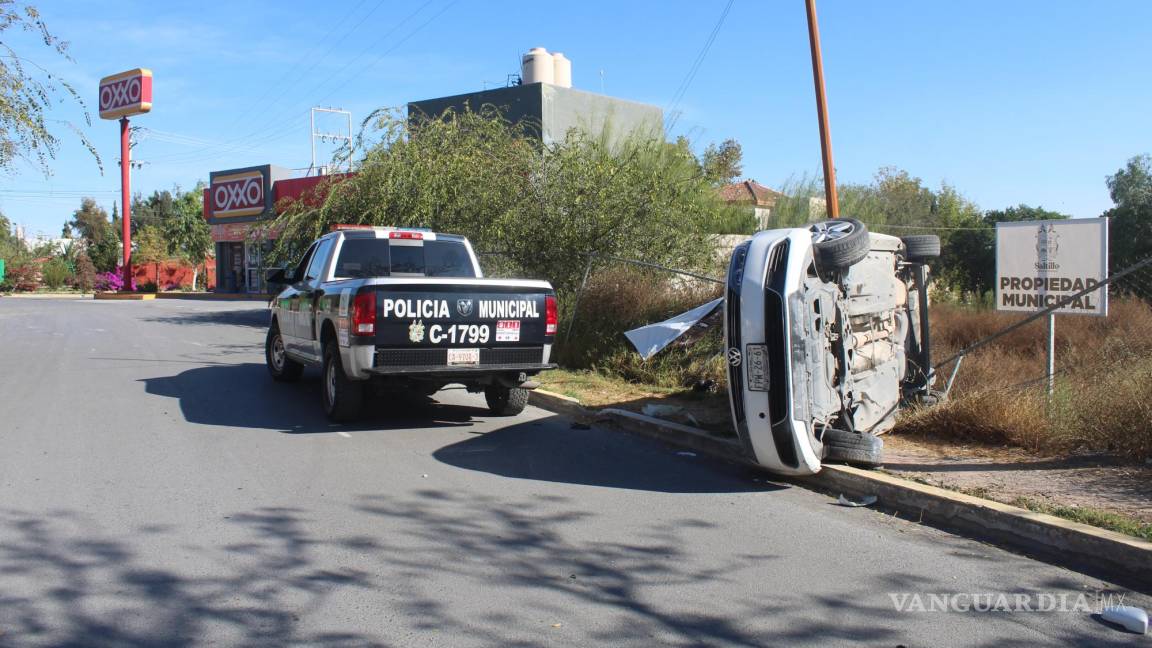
(449, 371)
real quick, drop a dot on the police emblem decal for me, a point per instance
(416, 331)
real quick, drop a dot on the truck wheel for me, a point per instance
(506, 401)
(858, 449)
(921, 247)
(343, 398)
(840, 243)
(282, 368)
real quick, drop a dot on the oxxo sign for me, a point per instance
(239, 193)
(127, 93)
(1038, 263)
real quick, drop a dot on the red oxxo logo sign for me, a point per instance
(127, 93)
(237, 194)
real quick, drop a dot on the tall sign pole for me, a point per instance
(121, 95)
(126, 202)
(822, 112)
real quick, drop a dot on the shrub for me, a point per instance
(24, 277)
(112, 281)
(85, 273)
(56, 273)
(147, 286)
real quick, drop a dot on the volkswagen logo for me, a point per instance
(464, 307)
(734, 357)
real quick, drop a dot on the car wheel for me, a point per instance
(343, 398)
(921, 247)
(859, 449)
(282, 368)
(840, 243)
(506, 401)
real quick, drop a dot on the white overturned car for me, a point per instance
(826, 332)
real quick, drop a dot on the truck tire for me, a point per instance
(921, 247)
(343, 397)
(858, 449)
(505, 401)
(282, 368)
(839, 244)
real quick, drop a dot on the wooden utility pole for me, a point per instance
(822, 112)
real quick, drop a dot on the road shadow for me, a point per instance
(554, 450)
(253, 317)
(245, 396)
(67, 582)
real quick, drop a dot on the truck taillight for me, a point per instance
(364, 314)
(551, 317)
(410, 236)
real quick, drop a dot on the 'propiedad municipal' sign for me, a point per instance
(1039, 263)
(127, 93)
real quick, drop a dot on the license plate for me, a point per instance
(756, 360)
(463, 356)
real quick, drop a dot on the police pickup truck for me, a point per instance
(407, 309)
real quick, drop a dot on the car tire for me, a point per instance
(505, 401)
(343, 398)
(921, 247)
(856, 448)
(282, 368)
(839, 244)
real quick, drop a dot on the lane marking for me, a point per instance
(345, 435)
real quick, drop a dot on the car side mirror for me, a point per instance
(279, 276)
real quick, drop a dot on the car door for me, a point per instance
(289, 303)
(309, 293)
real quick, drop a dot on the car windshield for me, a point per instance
(372, 257)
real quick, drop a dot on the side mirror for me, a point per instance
(279, 276)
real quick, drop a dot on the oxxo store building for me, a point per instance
(236, 202)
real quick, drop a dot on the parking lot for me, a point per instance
(159, 488)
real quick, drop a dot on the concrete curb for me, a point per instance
(207, 296)
(1116, 556)
(47, 295)
(124, 296)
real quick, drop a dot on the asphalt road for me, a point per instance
(159, 489)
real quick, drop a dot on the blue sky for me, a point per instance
(1011, 102)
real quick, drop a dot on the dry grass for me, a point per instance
(1104, 368)
(621, 298)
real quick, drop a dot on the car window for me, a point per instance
(362, 258)
(447, 259)
(319, 256)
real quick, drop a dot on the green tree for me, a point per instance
(97, 234)
(151, 247)
(1130, 230)
(1020, 213)
(28, 93)
(188, 235)
(722, 164)
(542, 208)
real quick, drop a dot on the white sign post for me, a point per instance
(1039, 263)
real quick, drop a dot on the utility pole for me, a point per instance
(335, 137)
(822, 112)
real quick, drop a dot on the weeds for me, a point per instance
(1104, 367)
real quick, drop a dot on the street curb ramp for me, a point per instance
(1109, 554)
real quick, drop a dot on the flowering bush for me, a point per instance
(112, 281)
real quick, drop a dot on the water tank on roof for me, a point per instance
(537, 66)
(562, 70)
